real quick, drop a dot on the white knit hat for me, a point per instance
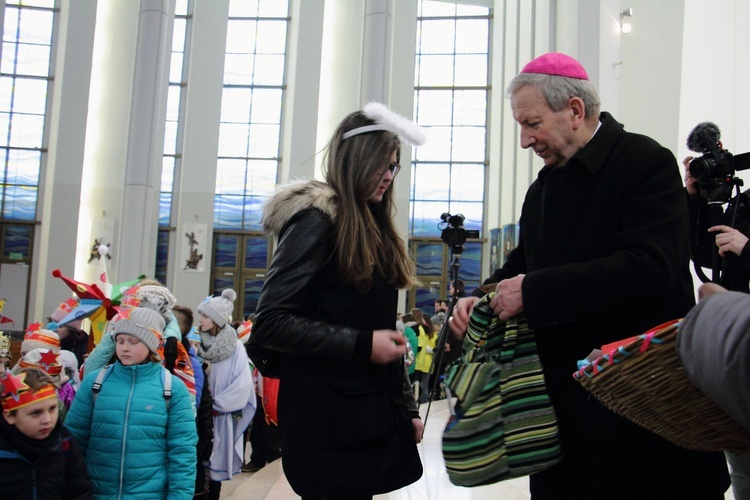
(142, 323)
(219, 309)
(37, 337)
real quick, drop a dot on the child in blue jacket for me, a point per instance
(138, 439)
(39, 459)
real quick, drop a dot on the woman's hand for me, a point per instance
(459, 319)
(387, 346)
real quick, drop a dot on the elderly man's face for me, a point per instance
(551, 134)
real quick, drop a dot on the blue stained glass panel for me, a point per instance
(471, 261)
(221, 283)
(425, 299)
(225, 251)
(20, 202)
(228, 212)
(253, 213)
(23, 167)
(426, 216)
(429, 259)
(252, 292)
(256, 253)
(165, 207)
(162, 252)
(17, 240)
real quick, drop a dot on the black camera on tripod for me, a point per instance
(453, 233)
(715, 170)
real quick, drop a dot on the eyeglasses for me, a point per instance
(393, 167)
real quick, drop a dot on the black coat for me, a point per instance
(345, 423)
(734, 269)
(604, 246)
(49, 469)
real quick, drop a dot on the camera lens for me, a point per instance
(700, 168)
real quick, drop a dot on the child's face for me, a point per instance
(36, 420)
(130, 350)
(206, 323)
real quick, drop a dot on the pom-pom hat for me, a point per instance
(219, 309)
(142, 323)
(38, 338)
(556, 64)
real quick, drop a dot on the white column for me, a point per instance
(140, 208)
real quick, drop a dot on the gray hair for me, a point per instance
(557, 90)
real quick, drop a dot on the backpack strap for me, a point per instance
(166, 382)
(103, 373)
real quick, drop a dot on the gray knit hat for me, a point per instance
(158, 298)
(142, 323)
(219, 309)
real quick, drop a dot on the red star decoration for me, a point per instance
(125, 312)
(34, 327)
(14, 385)
(48, 359)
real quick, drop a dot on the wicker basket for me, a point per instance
(644, 382)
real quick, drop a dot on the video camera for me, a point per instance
(453, 233)
(715, 170)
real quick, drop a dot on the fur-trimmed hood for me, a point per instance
(297, 195)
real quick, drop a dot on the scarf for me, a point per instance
(221, 346)
(33, 449)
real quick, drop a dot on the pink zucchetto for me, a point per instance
(557, 64)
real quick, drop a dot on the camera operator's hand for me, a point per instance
(459, 319)
(387, 346)
(691, 185)
(728, 239)
(509, 300)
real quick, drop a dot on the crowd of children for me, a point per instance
(157, 409)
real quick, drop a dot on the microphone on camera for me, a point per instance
(704, 137)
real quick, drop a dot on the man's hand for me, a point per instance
(509, 300)
(691, 184)
(708, 289)
(418, 429)
(387, 346)
(459, 319)
(728, 239)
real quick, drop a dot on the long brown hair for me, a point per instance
(366, 241)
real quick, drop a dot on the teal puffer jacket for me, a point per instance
(136, 443)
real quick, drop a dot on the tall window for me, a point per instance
(25, 78)
(249, 143)
(448, 174)
(172, 154)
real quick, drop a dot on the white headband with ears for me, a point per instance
(385, 119)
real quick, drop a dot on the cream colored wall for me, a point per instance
(669, 79)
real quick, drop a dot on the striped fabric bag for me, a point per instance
(503, 424)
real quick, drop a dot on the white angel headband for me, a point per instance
(385, 119)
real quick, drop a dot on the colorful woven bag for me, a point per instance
(503, 424)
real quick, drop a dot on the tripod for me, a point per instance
(437, 359)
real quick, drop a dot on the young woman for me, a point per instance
(326, 313)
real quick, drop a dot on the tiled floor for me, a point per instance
(270, 484)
